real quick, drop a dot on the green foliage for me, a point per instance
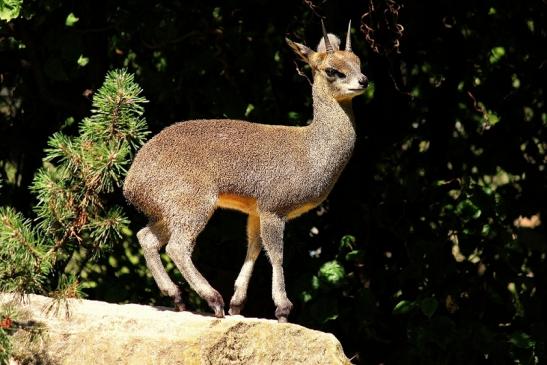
(71, 19)
(332, 272)
(116, 121)
(71, 190)
(5, 347)
(71, 194)
(10, 9)
(24, 261)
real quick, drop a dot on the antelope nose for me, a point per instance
(363, 81)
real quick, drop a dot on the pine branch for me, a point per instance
(91, 165)
(24, 262)
(72, 191)
(5, 347)
(68, 287)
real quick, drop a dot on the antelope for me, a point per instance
(273, 173)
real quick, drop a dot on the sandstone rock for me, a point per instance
(104, 333)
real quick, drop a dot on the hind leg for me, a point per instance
(152, 239)
(253, 250)
(186, 221)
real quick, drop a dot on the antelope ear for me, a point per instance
(333, 40)
(301, 50)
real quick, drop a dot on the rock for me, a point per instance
(103, 333)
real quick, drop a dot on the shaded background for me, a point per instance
(429, 250)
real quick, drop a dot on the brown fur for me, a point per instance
(271, 173)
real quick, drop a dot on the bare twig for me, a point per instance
(479, 108)
(382, 32)
(381, 28)
(301, 73)
(313, 8)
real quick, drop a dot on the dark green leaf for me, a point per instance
(429, 306)
(521, 340)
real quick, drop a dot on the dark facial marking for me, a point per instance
(332, 72)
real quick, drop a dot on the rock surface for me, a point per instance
(104, 333)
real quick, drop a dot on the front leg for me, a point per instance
(271, 230)
(253, 250)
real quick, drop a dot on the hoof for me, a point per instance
(219, 312)
(234, 310)
(177, 302)
(282, 311)
(217, 305)
(180, 307)
(236, 306)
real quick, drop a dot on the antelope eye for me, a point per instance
(331, 72)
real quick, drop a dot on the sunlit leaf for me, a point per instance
(369, 92)
(249, 109)
(10, 9)
(403, 307)
(492, 117)
(496, 54)
(347, 241)
(82, 61)
(332, 272)
(71, 19)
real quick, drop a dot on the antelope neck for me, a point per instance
(333, 120)
(331, 135)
